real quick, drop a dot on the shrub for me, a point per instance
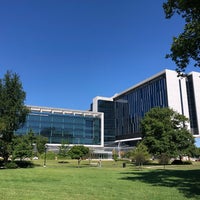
(180, 162)
(11, 165)
(1, 163)
(24, 164)
(18, 164)
(188, 162)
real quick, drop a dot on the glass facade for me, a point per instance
(74, 128)
(107, 107)
(131, 106)
(191, 105)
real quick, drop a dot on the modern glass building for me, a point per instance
(131, 105)
(61, 125)
(117, 119)
(164, 89)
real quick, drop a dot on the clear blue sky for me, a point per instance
(69, 51)
(66, 52)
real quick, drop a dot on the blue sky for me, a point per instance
(66, 52)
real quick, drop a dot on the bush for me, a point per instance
(18, 164)
(11, 165)
(1, 163)
(187, 162)
(180, 162)
(177, 162)
(24, 164)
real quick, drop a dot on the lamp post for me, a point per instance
(45, 154)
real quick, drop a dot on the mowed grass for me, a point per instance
(111, 181)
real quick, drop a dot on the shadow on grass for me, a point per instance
(186, 181)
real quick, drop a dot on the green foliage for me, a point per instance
(24, 164)
(164, 159)
(13, 112)
(164, 131)
(115, 155)
(140, 154)
(63, 150)
(180, 162)
(187, 45)
(78, 152)
(196, 152)
(5, 149)
(50, 155)
(18, 164)
(40, 143)
(11, 165)
(22, 147)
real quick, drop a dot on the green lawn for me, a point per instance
(111, 181)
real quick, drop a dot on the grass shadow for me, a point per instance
(186, 181)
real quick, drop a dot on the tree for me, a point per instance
(115, 155)
(40, 143)
(22, 147)
(164, 132)
(164, 159)
(140, 154)
(13, 112)
(187, 45)
(78, 152)
(63, 149)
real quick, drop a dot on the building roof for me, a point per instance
(142, 82)
(64, 111)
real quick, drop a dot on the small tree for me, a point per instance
(40, 143)
(164, 159)
(91, 154)
(140, 154)
(78, 152)
(115, 155)
(63, 149)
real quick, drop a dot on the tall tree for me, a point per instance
(164, 131)
(13, 112)
(187, 45)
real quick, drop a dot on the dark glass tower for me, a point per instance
(131, 105)
(192, 105)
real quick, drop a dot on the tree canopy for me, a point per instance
(164, 131)
(78, 152)
(186, 46)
